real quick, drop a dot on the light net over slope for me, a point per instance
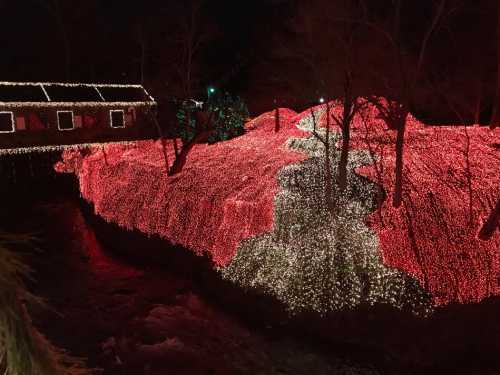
(433, 236)
(227, 193)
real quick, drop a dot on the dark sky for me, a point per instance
(102, 35)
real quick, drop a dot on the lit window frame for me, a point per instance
(72, 120)
(111, 118)
(12, 122)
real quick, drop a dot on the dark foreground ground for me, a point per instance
(133, 305)
(130, 319)
(141, 314)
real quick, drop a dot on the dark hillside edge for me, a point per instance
(375, 298)
(387, 337)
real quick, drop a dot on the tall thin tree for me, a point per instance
(495, 115)
(395, 111)
(55, 10)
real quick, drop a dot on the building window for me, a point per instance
(117, 118)
(65, 120)
(6, 122)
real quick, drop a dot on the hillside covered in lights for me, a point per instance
(255, 204)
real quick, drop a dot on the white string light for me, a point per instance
(316, 261)
(304, 256)
(96, 86)
(27, 150)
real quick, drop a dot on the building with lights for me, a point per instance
(59, 114)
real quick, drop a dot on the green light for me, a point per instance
(211, 90)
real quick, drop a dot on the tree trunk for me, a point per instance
(346, 135)
(492, 223)
(143, 57)
(180, 161)
(314, 120)
(105, 155)
(468, 175)
(164, 151)
(152, 115)
(477, 109)
(203, 130)
(400, 140)
(189, 57)
(496, 102)
(176, 148)
(188, 120)
(328, 170)
(277, 120)
(344, 157)
(64, 37)
(67, 54)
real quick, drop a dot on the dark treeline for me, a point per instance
(178, 48)
(448, 51)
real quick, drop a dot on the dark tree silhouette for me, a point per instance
(325, 47)
(405, 76)
(55, 10)
(141, 36)
(495, 116)
(175, 37)
(190, 34)
(491, 224)
(204, 127)
(276, 118)
(326, 143)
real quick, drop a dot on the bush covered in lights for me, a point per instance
(227, 116)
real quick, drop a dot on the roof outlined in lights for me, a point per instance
(48, 94)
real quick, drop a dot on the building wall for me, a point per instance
(35, 126)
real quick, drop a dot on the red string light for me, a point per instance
(226, 193)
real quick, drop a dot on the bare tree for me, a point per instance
(54, 9)
(396, 109)
(204, 128)
(327, 166)
(192, 32)
(141, 34)
(495, 115)
(478, 107)
(466, 151)
(188, 38)
(491, 224)
(276, 117)
(452, 100)
(349, 93)
(325, 45)
(350, 106)
(373, 150)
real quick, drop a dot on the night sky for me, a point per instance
(105, 44)
(101, 33)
